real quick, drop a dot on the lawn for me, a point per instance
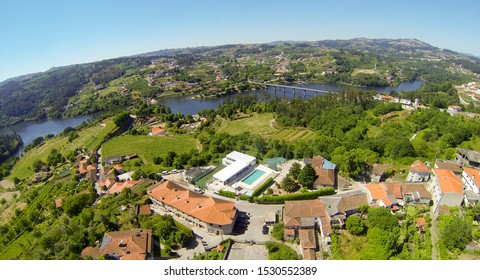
(264, 124)
(202, 183)
(148, 147)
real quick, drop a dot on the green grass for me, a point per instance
(90, 138)
(264, 125)
(202, 183)
(15, 249)
(148, 147)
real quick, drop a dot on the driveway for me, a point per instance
(253, 230)
(250, 235)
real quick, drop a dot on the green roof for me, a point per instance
(273, 162)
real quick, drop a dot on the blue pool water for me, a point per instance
(253, 177)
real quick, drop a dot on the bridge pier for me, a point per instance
(293, 92)
(305, 93)
(275, 89)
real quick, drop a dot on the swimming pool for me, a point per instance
(253, 177)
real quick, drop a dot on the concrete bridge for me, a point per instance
(283, 87)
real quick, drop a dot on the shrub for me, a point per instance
(295, 196)
(263, 187)
(355, 225)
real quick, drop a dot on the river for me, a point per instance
(31, 130)
(192, 106)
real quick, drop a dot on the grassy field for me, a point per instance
(264, 124)
(148, 147)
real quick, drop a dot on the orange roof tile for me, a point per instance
(303, 214)
(58, 202)
(474, 174)
(144, 210)
(207, 209)
(307, 238)
(118, 187)
(378, 193)
(448, 181)
(421, 222)
(157, 131)
(220, 248)
(324, 176)
(133, 244)
(419, 167)
(394, 188)
(309, 254)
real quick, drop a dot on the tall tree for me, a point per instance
(307, 176)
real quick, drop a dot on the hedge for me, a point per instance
(270, 199)
(232, 195)
(262, 187)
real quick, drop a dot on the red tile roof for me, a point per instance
(474, 174)
(448, 182)
(58, 202)
(133, 244)
(394, 188)
(307, 238)
(421, 222)
(205, 208)
(118, 187)
(157, 131)
(295, 211)
(144, 210)
(419, 167)
(378, 193)
(325, 177)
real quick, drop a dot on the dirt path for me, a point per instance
(434, 235)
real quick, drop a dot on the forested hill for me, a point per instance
(113, 84)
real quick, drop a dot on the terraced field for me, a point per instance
(264, 124)
(148, 147)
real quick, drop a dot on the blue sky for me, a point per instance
(37, 35)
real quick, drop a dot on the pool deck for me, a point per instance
(260, 180)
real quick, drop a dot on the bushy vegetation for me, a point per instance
(296, 196)
(263, 187)
(279, 251)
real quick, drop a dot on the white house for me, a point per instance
(446, 188)
(419, 172)
(237, 156)
(471, 179)
(237, 164)
(454, 109)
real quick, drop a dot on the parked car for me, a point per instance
(265, 229)
(198, 190)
